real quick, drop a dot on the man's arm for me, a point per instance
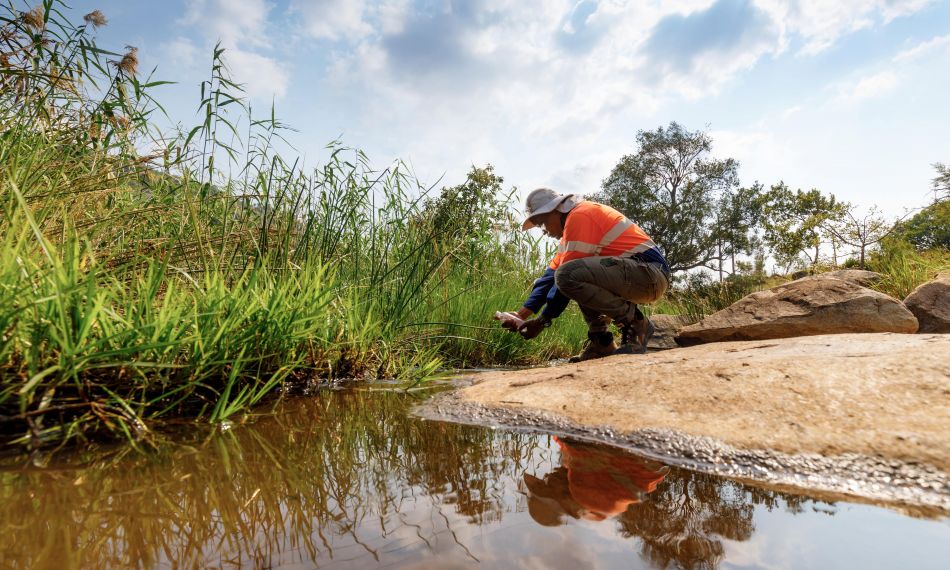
(540, 291)
(545, 294)
(539, 294)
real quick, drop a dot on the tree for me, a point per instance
(467, 216)
(941, 182)
(796, 222)
(738, 215)
(670, 187)
(929, 228)
(471, 209)
(860, 231)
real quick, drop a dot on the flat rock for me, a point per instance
(667, 327)
(930, 303)
(802, 308)
(885, 396)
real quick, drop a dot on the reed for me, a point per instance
(199, 279)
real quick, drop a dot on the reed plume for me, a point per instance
(129, 64)
(96, 18)
(34, 19)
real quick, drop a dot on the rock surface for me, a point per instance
(805, 307)
(857, 276)
(859, 414)
(875, 394)
(930, 303)
(667, 327)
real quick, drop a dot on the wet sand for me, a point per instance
(861, 414)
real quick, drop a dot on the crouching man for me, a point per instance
(605, 262)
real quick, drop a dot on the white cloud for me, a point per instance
(822, 22)
(333, 19)
(870, 87)
(234, 22)
(242, 27)
(181, 52)
(935, 45)
(391, 15)
(263, 77)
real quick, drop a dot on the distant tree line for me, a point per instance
(695, 208)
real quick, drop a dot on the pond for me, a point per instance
(349, 479)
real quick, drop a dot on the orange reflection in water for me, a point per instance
(592, 483)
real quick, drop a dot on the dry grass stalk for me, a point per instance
(96, 18)
(129, 64)
(34, 19)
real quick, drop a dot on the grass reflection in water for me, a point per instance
(347, 479)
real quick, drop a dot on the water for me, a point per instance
(349, 480)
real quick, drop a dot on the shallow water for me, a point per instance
(348, 479)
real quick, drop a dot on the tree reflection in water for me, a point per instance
(348, 479)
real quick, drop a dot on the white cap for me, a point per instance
(544, 200)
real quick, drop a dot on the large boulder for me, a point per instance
(667, 327)
(857, 276)
(930, 303)
(803, 308)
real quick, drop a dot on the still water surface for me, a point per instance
(348, 479)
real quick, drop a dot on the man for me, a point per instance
(605, 262)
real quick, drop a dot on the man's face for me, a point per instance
(551, 224)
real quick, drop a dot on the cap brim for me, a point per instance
(545, 209)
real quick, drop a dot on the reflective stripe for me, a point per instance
(587, 247)
(639, 248)
(615, 232)
(580, 246)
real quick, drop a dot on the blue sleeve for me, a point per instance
(539, 293)
(545, 294)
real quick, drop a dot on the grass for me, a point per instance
(198, 279)
(904, 267)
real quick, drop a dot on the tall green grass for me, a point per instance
(199, 277)
(904, 267)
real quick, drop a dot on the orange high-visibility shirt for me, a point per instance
(596, 229)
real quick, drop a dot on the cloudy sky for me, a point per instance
(849, 96)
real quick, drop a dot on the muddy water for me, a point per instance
(350, 480)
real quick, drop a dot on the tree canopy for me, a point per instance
(795, 223)
(671, 187)
(929, 228)
(473, 208)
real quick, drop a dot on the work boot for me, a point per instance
(599, 345)
(635, 336)
(645, 330)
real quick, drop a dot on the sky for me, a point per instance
(847, 96)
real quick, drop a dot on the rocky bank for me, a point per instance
(862, 414)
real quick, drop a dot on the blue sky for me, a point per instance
(848, 96)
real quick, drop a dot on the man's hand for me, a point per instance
(533, 327)
(509, 321)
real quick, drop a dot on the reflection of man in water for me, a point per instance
(593, 483)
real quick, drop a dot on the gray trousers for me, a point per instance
(609, 288)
